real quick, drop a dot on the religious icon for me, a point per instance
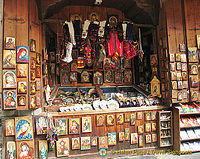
(140, 140)
(73, 76)
(9, 59)
(184, 67)
(86, 124)
(38, 59)
(22, 70)
(9, 79)
(154, 126)
(198, 41)
(192, 54)
(62, 147)
(194, 81)
(93, 141)
(139, 115)
(32, 102)
(32, 45)
(108, 76)
(85, 143)
(100, 120)
(178, 57)
(194, 95)
(127, 63)
(147, 127)
(134, 138)
(22, 87)
(10, 43)
(10, 127)
(193, 69)
(10, 150)
(178, 66)
(140, 129)
(118, 77)
(133, 119)
(121, 136)
(64, 78)
(110, 120)
(43, 149)
(180, 85)
(153, 115)
(113, 20)
(174, 85)
(38, 99)
(154, 137)
(179, 96)
(38, 72)
(172, 57)
(10, 99)
(24, 128)
(120, 118)
(128, 76)
(148, 138)
(93, 17)
(127, 134)
(85, 77)
(21, 100)
(74, 126)
(25, 150)
(185, 84)
(61, 126)
(32, 75)
(148, 116)
(75, 17)
(38, 84)
(154, 60)
(98, 78)
(41, 125)
(179, 76)
(173, 76)
(182, 47)
(76, 143)
(184, 76)
(183, 58)
(74, 66)
(155, 87)
(172, 67)
(103, 142)
(127, 117)
(112, 139)
(22, 54)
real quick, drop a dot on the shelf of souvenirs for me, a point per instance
(189, 109)
(193, 146)
(190, 134)
(165, 142)
(190, 139)
(164, 137)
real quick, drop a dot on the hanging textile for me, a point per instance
(71, 31)
(124, 26)
(66, 33)
(88, 54)
(85, 29)
(129, 32)
(102, 29)
(120, 31)
(129, 50)
(93, 32)
(141, 53)
(77, 32)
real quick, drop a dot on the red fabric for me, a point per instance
(129, 50)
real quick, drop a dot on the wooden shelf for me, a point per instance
(166, 145)
(190, 114)
(190, 139)
(166, 120)
(164, 137)
(165, 128)
(187, 127)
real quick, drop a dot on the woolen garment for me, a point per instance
(71, 31)
(85, 29)
(129, 32)
(101, 28)
(124, 26)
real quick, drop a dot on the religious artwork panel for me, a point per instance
(22, 54)
(9, 59)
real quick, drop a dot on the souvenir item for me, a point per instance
(10, 127)
(118, 77)
(193, 69)
(43, 149)
(172, 67)
(140, 139)
(185, 84)
(64, 78)
(182, 47)
(127, 117)
(41, 125)
(74, 66)
(85, 77)
(100, 120)
(22, 70)
(154, 137)
(10, 43)
(85, 143)
(178, 57)
(32, 45)
(32, 102)
(38, 71)
(98, 78)
(32, 74)
(194, 81)
(11, 150)
(80, 62)
(22, 87)
(148, 138)
(53, 68)
(154, 126)
(153, 115)
(127, 134)
(103, 142)
(154, 60)
(174, 85)
(22, 54)
(198, 41)
(62, 147)
(93, 141)
(172, 57)
(9, 99)
(174, 94)
(140, 129)
(37, 85)
(121, 136)
(184, 76)
(133, 119)
(38, 59)
(180, 85)
(73, 76)
(148, 116)
(112, 139)
(9, 59)
(24, 128)
(184, 67)
(179, 96)
(9, 79)
(86, 124)
(185, 94)
(173, 76)
(21, 101)
(110, 120)
(139, 115)
(45, 69)
(178, 66)
(76, 143)
(120, 118)
(61, 126)
(179, 76)
(108, 76)
(155, 87)
(147, 127)
(113, 20)
(194, 95)
(192, 54)
(74, 126)
(127, 76)
(127, 63)
(134, 138)
(25, 149)
(183, 58)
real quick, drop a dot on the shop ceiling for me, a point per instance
(138, 11)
